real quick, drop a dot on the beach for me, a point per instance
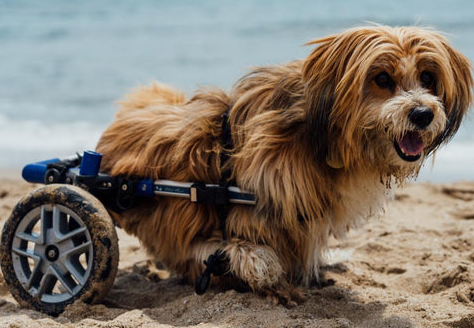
(412, 267)
(65, 65)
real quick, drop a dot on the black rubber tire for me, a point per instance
(104, 244)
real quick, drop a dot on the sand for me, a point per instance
(413, 267)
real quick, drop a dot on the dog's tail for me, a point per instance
(152, 95)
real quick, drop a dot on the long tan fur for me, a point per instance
(313, 139)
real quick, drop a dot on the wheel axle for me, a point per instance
(52, 253)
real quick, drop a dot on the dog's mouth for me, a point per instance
(410, 146)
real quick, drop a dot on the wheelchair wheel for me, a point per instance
(59, 245)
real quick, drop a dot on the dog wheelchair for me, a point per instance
(60, 245)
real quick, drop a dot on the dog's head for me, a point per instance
(384, 96)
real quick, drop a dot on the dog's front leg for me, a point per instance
(260, 267)
(257, 266)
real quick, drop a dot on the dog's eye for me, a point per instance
(427, 79)
(383, 80)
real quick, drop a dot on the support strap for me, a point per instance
(217, 264)
(227, 146)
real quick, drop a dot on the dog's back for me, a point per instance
(152, 95)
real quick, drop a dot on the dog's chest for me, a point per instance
(361, 196)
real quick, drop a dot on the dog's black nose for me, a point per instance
(421, 116)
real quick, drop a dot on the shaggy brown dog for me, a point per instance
(319, 142)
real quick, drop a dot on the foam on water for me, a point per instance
(25, 141)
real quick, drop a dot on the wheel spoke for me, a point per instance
(47, 283)
(58, 222)
(35, 275)
(78, 250)
(72, 234)
(34, 238)
(26, 252)
(45, 222)
(77, 271)
(64, 281)
(36, 268)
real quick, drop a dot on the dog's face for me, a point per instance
(385, 96)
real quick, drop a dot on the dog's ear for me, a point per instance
(456, 91)
(320, 85)
(334, 76)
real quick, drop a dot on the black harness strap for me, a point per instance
(217, 264)
(227, 146)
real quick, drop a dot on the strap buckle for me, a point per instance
(212, 195)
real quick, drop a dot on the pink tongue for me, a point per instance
(411, 143)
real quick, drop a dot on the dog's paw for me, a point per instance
(152, 270)
(288, 296)
(257, 265)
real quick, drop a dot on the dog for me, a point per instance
(320, 142)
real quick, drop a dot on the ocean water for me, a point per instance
(63, 64)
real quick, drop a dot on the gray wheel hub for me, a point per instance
(52, 253)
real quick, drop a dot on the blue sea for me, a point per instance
(64, 64)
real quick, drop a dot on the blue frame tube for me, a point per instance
(90, 163)
(35, 172)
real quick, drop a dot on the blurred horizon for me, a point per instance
(64, 64)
